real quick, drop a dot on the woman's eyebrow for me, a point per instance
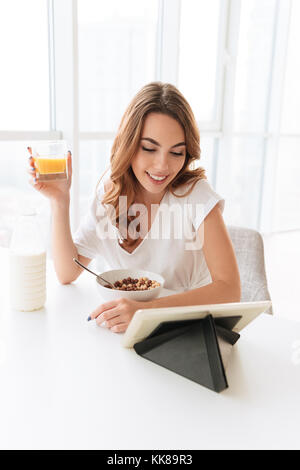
(156, 143)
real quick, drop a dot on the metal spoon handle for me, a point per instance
(84, 267)
(87, 269)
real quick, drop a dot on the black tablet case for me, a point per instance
(190, 348)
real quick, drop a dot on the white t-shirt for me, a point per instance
(171, 248)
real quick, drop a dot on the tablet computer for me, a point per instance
(145, 321)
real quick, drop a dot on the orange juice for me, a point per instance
(50, 159)
(51, 168)
(50, 165)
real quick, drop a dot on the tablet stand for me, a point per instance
(191, 348)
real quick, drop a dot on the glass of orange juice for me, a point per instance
(50, 159)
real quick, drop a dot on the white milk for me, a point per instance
(27, 263)
(27, 281)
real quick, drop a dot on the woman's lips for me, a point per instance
(156, 181)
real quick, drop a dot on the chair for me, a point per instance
(249, 249)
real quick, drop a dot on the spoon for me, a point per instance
(97, 275)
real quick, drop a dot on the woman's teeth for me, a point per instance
(156, 178)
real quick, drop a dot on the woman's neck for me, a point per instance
(147, 198)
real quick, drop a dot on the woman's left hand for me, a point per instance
(117, 313)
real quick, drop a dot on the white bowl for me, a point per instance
(118, 274)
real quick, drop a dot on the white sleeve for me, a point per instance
(203, 199)
(86, 240)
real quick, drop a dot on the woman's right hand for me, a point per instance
(57, 190)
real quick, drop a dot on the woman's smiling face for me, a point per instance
(160, 156)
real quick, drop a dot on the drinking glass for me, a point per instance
(50, 158)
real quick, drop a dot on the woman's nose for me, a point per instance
(161, 162)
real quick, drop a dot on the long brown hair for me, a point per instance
(155, 97)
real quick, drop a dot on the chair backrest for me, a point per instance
(249, 249)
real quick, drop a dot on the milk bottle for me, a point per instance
(27, 264)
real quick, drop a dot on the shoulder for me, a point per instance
(200, 189)
(204, 192)
(202, 199)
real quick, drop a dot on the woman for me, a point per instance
(150, 169)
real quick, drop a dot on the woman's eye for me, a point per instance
(177, 154)
(153, 150)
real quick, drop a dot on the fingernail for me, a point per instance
(89, 318)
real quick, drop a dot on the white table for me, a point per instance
(67, 383)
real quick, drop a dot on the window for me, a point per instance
(287, 188)
(94, 156)
(25, 109)
(200, 59)
(15, 191)
(235, 61)
(117, 50)
(286, 211)
(291, 99)
(117, 42)
(254, 61)
(24, 78)
(239, 174)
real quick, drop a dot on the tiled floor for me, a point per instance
(282, 255)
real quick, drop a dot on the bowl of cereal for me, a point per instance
(134, 284)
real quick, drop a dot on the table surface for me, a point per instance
(67, 383)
